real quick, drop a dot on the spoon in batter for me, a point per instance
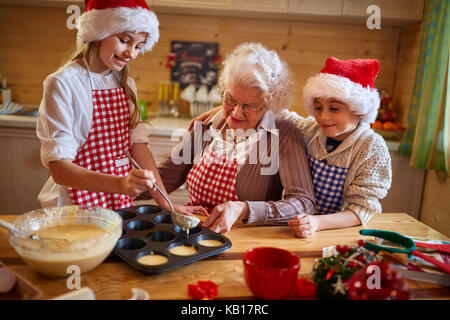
(185, 222)
(13, 229)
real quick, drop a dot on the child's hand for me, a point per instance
(138, 181)
(204, 117)
(304, 225)
(190, 210)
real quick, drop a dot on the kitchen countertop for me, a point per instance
(20, 121)
(160, 126)
(113, 279)
(15, 121)
(392, 145)
(163, 126)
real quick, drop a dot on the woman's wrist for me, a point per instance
(318, 222)
(245, 211)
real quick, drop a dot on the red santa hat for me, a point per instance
(104, 18)
(350, 81)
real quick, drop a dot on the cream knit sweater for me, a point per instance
(366, 156)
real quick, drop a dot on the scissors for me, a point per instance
(408, 246)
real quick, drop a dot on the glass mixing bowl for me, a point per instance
(53, 257)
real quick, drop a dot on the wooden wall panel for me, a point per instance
(436, 194)
(435, 210)
(408, 54)
(34, 41)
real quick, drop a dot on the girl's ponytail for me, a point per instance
(135, 116)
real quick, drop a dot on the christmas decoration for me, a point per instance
(349, 81)
(339, 286)
(104, 18)
(331, 274)
(203, 290)
(217, 60)
(193, 62)
(386, 123)
(305, 288)
(171, 60)
(363, 285)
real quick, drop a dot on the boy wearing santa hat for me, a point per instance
(349, 163)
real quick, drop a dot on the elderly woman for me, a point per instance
(238, 164)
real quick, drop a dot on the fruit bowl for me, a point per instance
(395, 135)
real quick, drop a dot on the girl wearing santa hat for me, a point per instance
(88, 119)
(349, 163)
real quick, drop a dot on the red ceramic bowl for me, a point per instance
(270, 273)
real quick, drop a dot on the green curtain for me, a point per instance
(427, 137)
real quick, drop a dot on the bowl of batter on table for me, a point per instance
(67, 236)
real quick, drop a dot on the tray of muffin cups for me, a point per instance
(151, 243)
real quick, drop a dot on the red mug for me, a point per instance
(270, 273)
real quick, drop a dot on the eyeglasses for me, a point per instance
(247, 108)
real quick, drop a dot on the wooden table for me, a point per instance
(113, 279)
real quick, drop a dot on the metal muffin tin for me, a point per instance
(149, 229)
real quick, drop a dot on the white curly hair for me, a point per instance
(252, 65)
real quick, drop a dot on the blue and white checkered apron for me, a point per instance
(328, 183)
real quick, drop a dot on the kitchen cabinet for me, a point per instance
(316, 7)
(409, 10)
(201, 4)
(46, 3)
(275, 6)
(22, 175)
(160, 146)
(398, 9)
(393, 12)
(161, 130)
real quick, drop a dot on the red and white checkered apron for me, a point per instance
(212, 181)
(104, 148)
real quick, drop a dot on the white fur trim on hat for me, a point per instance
(361, 101)
(100, 24)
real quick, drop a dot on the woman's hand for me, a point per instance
(304, 225)
(225, 215)
(137, 181)
(205, 117)
(190, 210)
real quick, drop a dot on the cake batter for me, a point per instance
(183, 250)
(152, 260)
(210, 243)
(71, 232)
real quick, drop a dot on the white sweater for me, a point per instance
(366, 156)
